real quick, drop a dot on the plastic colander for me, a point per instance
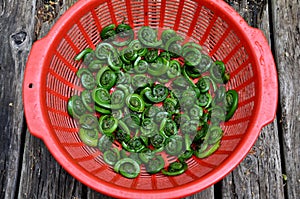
(50, 79)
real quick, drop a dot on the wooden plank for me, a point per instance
(250, 10)
(259, 175)
(91, 194)
(16, 27)
(286, 28)
(41, 176)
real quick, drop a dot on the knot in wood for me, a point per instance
(249, 161)
(19, 37)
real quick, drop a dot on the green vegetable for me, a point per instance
(175, 168)
(122, 136)
(135, 103)
(155, 165)
(203, 84)
(148, 98)
(75, 106)
(117, 99)
(107, 124)
(146, 155)
(105, 142)
(89, 136)
(168, 127)
(158, 140)
(203, 153)
(127, 167)
(103, 51)
(88, 121)
(174, 145)
(174, 69)
(171, 105)
(87, 100)
(148, 127)
(192, 56)
(102, 110)
(133, 121)
(231, 103)
(190, 127)
(128, 55)
(148, 37)
(101, 97)
(135, 145)
(82, 54)
(108, 32)
(159, 67)
(111, 156)
(124, 30)
(106, 78)
(185, 155)
(167, 35)
(151, 55)
(217, 71)
(195, 112)
(141, 81)
(215, 134)
(173, 47)
(88, 58)
(95, 65)
(140, 66)
(158, 94)
(204, 64)
(125, 33)
(88, 81)
(114, 62)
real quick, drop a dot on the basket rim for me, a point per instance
(257, 122)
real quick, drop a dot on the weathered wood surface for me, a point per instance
(286, 30)
(271, 169)
(16, 27)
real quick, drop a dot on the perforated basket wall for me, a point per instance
(50, 80)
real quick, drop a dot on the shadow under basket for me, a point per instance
(50, 80)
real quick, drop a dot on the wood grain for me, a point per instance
(41, 176)
(259, 175)
(250, 10)
(286, 28)
(16, 27)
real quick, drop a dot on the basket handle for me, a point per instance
(268, 95)
(33, 83)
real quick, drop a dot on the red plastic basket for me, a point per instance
(50, 80)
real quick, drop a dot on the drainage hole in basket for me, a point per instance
(30, 85)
